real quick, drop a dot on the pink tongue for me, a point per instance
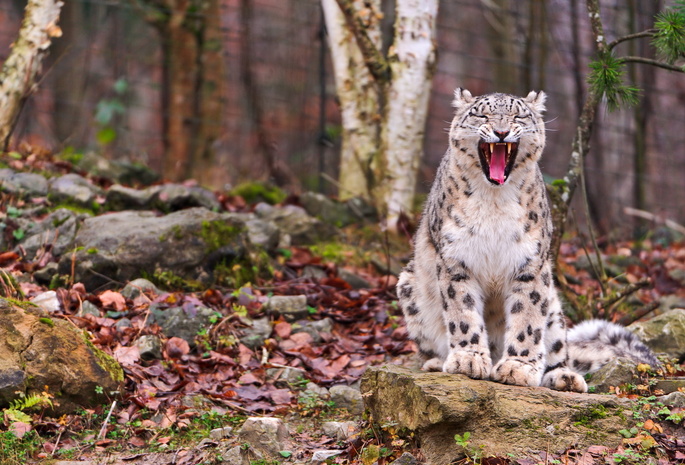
(498, 161)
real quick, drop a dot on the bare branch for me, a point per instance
(631, 288)
(639, 313)
(637, 35)
(373, 58)
(649, 61)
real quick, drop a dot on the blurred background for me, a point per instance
(274, 114)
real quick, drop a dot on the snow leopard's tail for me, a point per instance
(594, 343)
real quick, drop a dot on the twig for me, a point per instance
(649, 61)
(655, 218)
(103, 430)
(639, 313)
(602, 272)
(637, 35)
(608, 301)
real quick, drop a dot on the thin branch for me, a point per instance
(637, 35)
(655, 218)
(373, 58)
(625, 291)
(639, 313)
(649, 61)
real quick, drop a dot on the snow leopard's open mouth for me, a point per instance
(496, 159)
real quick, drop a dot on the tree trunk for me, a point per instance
(18, 75)
(384, 100)
(360, 105)
(192, 99)
(412, 62)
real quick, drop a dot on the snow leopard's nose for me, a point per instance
(501, 134)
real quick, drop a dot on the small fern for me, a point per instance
(25, 402)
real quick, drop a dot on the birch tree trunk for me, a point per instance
(359, 97)
(383, 99)
(18, 75)
(412, 61)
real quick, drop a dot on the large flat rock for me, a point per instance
(502, 419)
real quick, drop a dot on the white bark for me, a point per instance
(359, 102)
(412, 67)
(17, 79)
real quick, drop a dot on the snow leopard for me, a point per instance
(478, 295)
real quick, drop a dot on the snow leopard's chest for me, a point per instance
(492, 237)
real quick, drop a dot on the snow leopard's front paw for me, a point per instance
(510, 371)
(563, 379)
(476, 365)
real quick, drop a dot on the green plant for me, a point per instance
(107, 110)
(474, 455)
(18, 451)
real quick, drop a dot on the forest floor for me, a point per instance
(169, 406)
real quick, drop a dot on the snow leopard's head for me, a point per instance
(504, 130)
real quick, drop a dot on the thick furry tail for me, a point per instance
(594, 343)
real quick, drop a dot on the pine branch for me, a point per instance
(373, 58)
(637, 35)
(649, 61)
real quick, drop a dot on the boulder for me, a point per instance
(664, 333)
(296, 223)
(266, 435)
(502, 419)
(38, 351)
(57, 230)
(73, 189)
(23, 184)
(122, 246)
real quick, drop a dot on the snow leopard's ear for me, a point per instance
(536, 101)
(462, 98)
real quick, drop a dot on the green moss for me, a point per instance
(77, 208)
(217, 234)
(47, 321)
(254, 192)
(241, 272)
(589, 415)
(170, 281)
(106, 362)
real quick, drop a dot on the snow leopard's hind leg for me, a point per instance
(558, 375)
(408, 293)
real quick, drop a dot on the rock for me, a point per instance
(23, 184)
(263, 233)
(122, 246)
(149, 346)
(295, 222)
(314, 328)
(88, 308)
(320, 456)
(340, 430)
(290, 307)
(264, 434)
(122, 171)
(502, 419)
(139, 286)
(44, 275)
(175, 322)
(314, 272)
(406, 459)
(47, 301)
(670, 302)
(255, 335)
(362, 209)
(347, 397)
(120, 198)
(290, 375)
(357, 282)
(38, 351)
(58, 230)
(670, 385)
(221, 433)
(664, 333)
(677, 274)
(240, 455)
(616, 372)
(73, 189)
(122, 323)
(174, 197)
(327, 210)
(674, 399)
(316, 390)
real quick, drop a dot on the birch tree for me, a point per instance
(383, 98)
(19, 72)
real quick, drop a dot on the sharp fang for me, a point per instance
(492, 147)
(508, 148)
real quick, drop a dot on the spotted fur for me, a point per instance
(478, 295)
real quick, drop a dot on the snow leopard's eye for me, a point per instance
(521, 118)
(476, 115)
